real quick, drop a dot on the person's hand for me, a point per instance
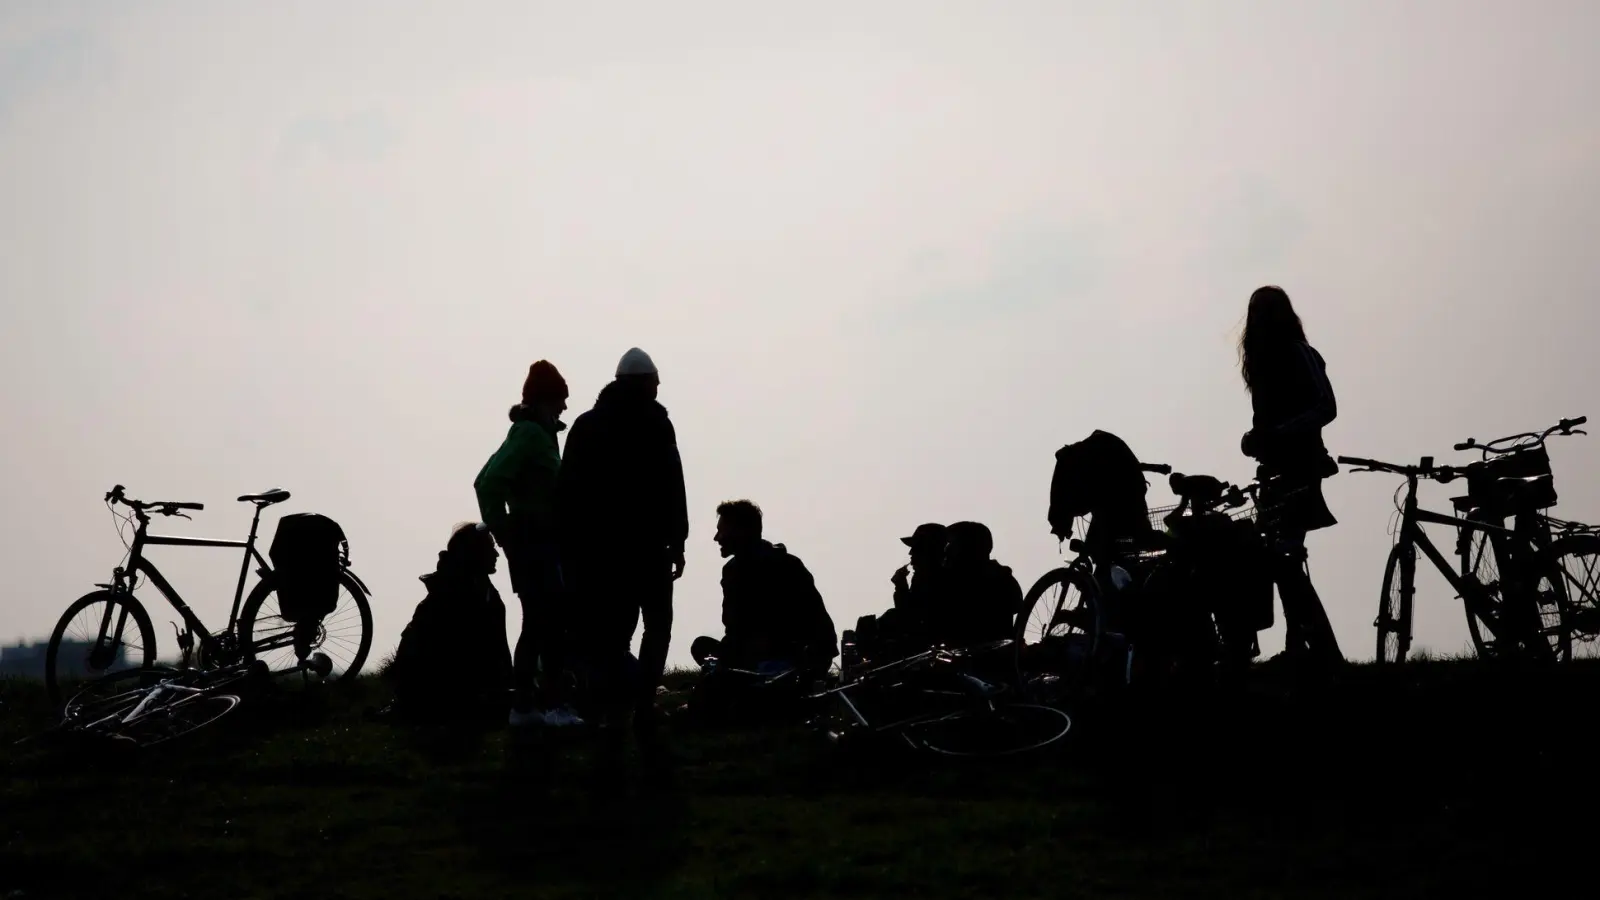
(900, 579)
(677, 564)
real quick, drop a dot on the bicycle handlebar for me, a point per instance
(1156, 468)
(1564, 427)
(1425, 469)
(161, 507)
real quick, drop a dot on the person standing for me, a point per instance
(1292, 400)
(624, 521)
(516, 497)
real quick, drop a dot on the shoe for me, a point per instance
(521, 719)
(562, 717)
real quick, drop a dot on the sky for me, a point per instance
(888, 256)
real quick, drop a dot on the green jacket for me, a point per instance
(516, 487)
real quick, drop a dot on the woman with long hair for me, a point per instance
(1292, 401)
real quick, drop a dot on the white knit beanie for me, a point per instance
(636, 362)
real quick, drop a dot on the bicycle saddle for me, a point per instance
(266, 498)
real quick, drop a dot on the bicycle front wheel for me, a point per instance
(183, 715)
(1002, 730)
(99, 633)
(1059, 628)
(1394, 607)
(345, 634)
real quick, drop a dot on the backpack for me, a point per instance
(1099, 475)
(308, 555)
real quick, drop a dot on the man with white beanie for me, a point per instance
(624, 521)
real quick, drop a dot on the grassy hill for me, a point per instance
(1446, 778)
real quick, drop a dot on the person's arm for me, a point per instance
(1321, 407)
(572, 480)
(496, 481)
(677, 501)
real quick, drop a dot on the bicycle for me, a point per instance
(1513, 609)
(255, 630)
(1574, 546)
(1061, 624)
(939, 710)
(149, 706)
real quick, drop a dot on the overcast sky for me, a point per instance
(889, 256)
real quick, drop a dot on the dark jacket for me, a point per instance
(975, 605)
(1291, 407)
(454, 649)
(516, 487)
(621, 482)
(772, 610)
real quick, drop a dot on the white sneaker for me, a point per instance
(521, 719)
(562, 717)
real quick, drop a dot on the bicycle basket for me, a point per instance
(1483, 478)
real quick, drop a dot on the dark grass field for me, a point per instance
(1448, 778)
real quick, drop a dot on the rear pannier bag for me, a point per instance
(308, 555)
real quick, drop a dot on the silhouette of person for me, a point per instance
(516, 497)
(977, 597)
(915, 581)
(452, 663)
(772, 611)
(1292, 400)
(773, 617)
(624, 520)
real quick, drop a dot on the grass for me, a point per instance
(1447, 777)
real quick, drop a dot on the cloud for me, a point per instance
(50, 60)
(359, 137)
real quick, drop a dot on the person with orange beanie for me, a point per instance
(516, 497)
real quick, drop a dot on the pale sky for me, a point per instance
(889, 256)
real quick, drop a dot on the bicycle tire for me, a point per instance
(1549, 587)
(1581, 597)
(53, 677)
(1395, 608)
(345, 667)
(107, 690)
(1080, 647)
(184, 716)
(942, 735)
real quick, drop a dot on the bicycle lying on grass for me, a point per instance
(931, 702)
(149, 706)
(115, 625)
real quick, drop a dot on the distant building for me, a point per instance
(27, 660)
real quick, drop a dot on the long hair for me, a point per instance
(1270, 326)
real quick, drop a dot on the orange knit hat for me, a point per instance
(543, 383)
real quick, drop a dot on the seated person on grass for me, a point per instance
(978, 598)
(773, 617)
(900, 630)
(453, 663)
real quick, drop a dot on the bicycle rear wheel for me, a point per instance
(345, 634)
(1000, 730)
(1577, 559)
(1528, 626)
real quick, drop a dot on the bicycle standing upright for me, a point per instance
(114, 627)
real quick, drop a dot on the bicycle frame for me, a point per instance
(138, 565)
(1413, 517)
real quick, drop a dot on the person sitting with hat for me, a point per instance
(903, 628)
